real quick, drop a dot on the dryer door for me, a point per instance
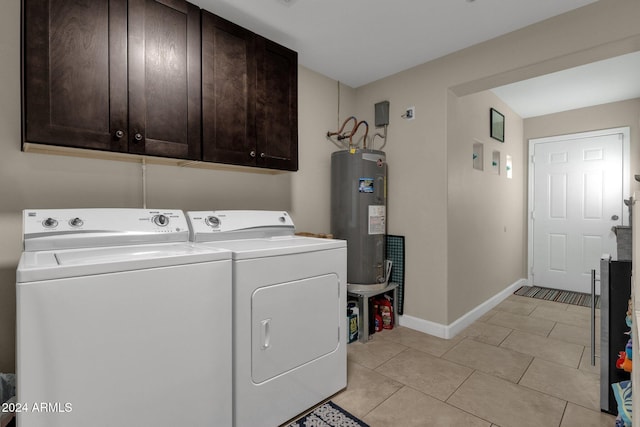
(293, 324)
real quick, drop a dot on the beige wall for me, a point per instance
(322, 107)
(485, 209)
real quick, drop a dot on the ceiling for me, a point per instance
(360, 41)
(611, 80)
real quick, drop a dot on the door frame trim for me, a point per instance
(626, 184)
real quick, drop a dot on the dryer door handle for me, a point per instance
(265, 333)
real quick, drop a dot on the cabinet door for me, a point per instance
(277, 109)
(228, 92)
(75, 81)
(164, 78)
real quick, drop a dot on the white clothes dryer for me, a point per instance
(289, 313)
(121, 321)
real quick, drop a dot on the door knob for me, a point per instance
(615, 217)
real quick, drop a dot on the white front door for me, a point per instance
(576, 196)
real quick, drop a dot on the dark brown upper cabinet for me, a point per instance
(249, 98)
(158, 78)
(113, 75)
(277, 112)
(228, 92)
(75, 73)
(164, 78)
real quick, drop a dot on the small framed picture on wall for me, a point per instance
(497, 125)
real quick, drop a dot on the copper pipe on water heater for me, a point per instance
(339, 133)
(366, 132)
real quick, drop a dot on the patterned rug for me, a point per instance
(328, 415)
(567, 297)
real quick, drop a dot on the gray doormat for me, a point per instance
(567, 297)
(328, 415)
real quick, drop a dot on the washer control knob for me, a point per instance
(213, 221)
(50, 223)
(282, 219)
(76, 222)
(161, 220)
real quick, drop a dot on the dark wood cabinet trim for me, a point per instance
(194, 81)
(118, 72)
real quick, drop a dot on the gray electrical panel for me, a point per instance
(358, 213)
(382, 113)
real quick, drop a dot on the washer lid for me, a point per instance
(57, 264)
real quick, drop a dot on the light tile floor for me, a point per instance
(525, 363)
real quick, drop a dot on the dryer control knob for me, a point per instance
(50, 223)
(161, 220)
(213, 221)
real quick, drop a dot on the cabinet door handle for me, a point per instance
(138, 137)
(266, 156)
(119, 134)
(252, 153)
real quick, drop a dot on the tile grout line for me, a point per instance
(458, 388)
(385, 362)
(564, 411)
(525, 371)
(505, 338)
(388, 397)
(446, 402)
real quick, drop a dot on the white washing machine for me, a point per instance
(121, 321)
(289, 313)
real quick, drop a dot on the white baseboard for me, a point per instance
(421, 325)
(451, 330)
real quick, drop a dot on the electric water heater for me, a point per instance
(358, 213)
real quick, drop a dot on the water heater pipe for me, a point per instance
(383, 136)
(339, 132)
(366, 132)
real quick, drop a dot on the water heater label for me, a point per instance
(365, 185)
(377, 219)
